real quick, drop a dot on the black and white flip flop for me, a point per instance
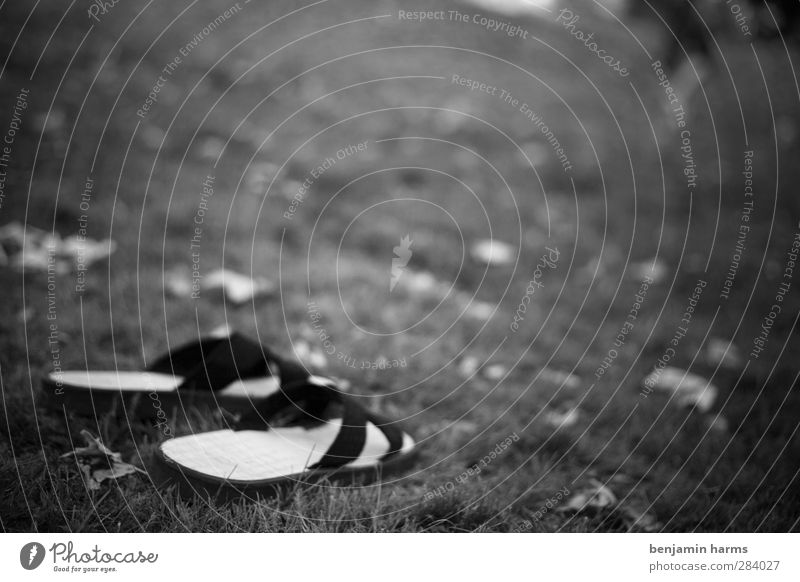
(232, 372)
(330, 436)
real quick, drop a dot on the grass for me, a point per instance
(625, 202)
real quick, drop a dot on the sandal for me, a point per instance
(232, 372)
(325, 434)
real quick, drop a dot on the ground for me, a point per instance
(257, 104)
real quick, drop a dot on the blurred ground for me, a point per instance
(265, 98)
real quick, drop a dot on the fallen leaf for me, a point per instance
(290, 188)
(454, 114)
(564, 417)
(419, 282)
(237, 288)
(493, 252)
(719, 424)
(537, 153)
(98, 463)
(463, 428)
(221, 331)
(87, 251)
(540, 8)
(689, 389)
(560, 378)
(178, 282)
(494, 372)
(468, 366)
(152, 136)
(25, 315)
(259, 176)
(722, 353)
(30, 248)
(590, 499)
(654, 268)
(480, 310)
(53, 121)
(211, 147)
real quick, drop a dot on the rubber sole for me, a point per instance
(166, 472)
(144, 404)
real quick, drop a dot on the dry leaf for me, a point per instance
(152, 136)
(562, 417)
(560, 378)
(211, 147)
(539, 8)
(25, 315)
(420, 282)
(537, 152)
(221, 331)
(463, 428)
(468, 366)
(656, 269)
(98, 463)
(719, 424)
(454, 114)
(494, 372)
(590, 499)
(259, 177)
(52, 122)
(237, 288)
(480, 310)
(30, 248)
(178, 282)
(86, 251)
(725, 354)
(598, 497)
(493, 252)
(689, 389)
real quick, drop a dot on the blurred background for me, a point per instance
(552, 167)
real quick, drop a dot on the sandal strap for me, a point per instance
(214, 363)
(310, 398)
(349, 443)
(391, 431)
(183, 360)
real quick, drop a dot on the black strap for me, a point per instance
(184, 359)
(305, 400)
(214, 363)
(391, 431)
(237, 359)
(349, 443)
(291, 373)
(312, 401)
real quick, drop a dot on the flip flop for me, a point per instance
(231, 372)
(330, 436)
